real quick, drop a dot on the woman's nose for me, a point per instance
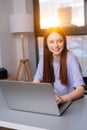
(56, 43)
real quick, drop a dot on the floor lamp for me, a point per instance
(21, 24)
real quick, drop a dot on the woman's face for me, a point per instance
(55, 43)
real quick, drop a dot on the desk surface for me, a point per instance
(74, 118)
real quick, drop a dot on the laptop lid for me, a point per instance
(30, 97)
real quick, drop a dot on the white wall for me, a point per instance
(7, 46)
(10, 44)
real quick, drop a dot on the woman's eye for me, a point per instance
(51, 41)
(60, 40)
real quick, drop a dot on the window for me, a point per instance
(76, 33)
(61, 13)
(75, 21)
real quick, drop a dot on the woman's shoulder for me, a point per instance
(72, 58)
(71, 55)
(40, 62)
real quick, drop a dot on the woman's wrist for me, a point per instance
(66, 98)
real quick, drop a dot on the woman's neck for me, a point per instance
(56, 57)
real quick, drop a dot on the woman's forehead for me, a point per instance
(54, 35)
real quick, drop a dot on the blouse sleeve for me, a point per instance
(39, 73)
(76, 72)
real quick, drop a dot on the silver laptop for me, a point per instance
(31, 97)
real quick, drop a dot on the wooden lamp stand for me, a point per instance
(25, 63)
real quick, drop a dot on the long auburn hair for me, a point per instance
(48, 71)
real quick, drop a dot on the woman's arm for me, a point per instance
(77, 93)
(39, 73)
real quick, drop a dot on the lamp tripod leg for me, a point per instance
(25, 72)
(18, 71)
(28, 71)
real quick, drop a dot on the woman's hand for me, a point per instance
(77, 93)
(59, 100)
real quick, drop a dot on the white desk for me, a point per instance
(75, 118)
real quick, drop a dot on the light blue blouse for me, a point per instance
(75, 77)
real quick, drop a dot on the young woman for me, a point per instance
(60, 67)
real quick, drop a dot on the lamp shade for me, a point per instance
(21, 23)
